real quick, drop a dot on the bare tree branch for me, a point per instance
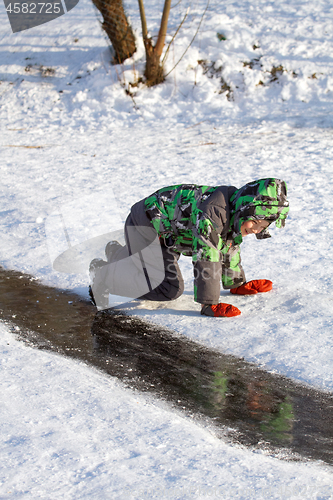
(202, 17)
(163, 29)
(174, 36)
(143, 20)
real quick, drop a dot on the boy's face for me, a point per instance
(253, 227)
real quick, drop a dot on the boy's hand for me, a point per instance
(220, 310)
(253, 287)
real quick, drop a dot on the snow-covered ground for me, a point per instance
(69, 133)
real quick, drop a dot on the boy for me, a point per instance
(204, 222)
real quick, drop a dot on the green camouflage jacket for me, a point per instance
(204, 222)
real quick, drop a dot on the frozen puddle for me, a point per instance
(244, 403)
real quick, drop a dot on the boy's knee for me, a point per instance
(172, 291)
(176, 292)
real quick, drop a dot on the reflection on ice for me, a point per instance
(242, 402)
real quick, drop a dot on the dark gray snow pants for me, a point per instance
(145, 268)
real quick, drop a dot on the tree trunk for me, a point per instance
(154, 71)
(117, 28)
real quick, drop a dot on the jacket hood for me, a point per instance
(264, 199)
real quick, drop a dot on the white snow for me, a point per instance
(69, 133)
